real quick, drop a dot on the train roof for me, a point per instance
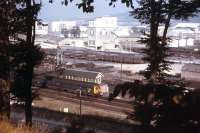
(82, 73)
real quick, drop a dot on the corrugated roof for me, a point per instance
(50, 38)
(191, 68)
(82, 73)
(186, 25)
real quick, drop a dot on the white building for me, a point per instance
(184, 34)
(83, 31)
(128, 37)
(80, 42)
(57, 26)
(184, 29)
(101, 34)
(41, 28)
(123, 31)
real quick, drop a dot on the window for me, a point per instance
(91, 32)
(100, 33)
(39, 27)
(91, 42)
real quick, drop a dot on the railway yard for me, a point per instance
(63, 95)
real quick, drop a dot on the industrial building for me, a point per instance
(58, 26)
(101, 34)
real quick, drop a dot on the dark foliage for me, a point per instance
(18, 53)
(77, 126)
(163, 108)
(162, 105)
(156, 56)
(24, 56)
(156, 13)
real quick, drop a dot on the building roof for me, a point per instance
(82, 73)
(187, 25)
(191, 68)
(50, 38)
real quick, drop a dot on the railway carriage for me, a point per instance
(73, 80)
(89, 82)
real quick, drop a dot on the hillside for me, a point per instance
(6, 127)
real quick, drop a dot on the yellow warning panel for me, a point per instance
(97, 90)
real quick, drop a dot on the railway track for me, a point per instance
(89, 101)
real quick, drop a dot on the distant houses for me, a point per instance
(184, 34)
(41, 28)
(104, 34)
(58, 26)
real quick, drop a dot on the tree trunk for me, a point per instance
(167, 24)
(153, 38)
(30, 67)
(4, 100)
(5, 65)
(28, 99)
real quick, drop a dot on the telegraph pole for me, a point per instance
(121, 61)
(80, 103)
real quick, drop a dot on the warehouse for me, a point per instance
(83, 75)
(191, 72)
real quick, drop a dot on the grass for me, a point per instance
(6, 127)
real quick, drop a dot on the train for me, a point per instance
(60, 82)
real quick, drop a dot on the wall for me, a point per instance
(194, 76)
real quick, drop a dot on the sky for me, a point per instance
(57, 11)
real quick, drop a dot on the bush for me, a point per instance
(6, 127)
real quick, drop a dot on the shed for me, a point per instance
(191, 72)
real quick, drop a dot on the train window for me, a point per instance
(91, 80)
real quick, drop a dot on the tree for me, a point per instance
(7, 17)
(18, 52)
(163, 108)
(88, 7)
(27, 57)
(156, 97)
(156, 13)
